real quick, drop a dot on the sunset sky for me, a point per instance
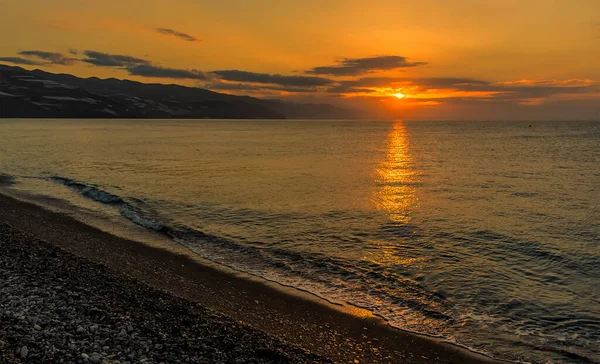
(451, 59)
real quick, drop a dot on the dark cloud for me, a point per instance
(73, 51)
(432, 82)
(509, 91)
(225, 86)
(112, 60)
(186, 37)
(147, 70)
(348, 89)
(265, 78)
(517, 91)
(360, 85)
(19, 60)
(441, 82)
(357, 66)
(139, 67)
(50, 57)
(535, 92)
(233, 86)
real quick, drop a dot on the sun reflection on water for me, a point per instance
(396, 196)
(396, 179)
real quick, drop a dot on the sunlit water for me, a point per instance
(484, 233)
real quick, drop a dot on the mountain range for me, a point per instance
(40, 94)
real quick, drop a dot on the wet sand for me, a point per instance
(286, 317)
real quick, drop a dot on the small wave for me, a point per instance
(524, 194)
(90, 191)
(528, 250)
(137, 217)
(127, 210)
(100, 196)
(6, 179)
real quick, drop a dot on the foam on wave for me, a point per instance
(127, 210)
(90, 191)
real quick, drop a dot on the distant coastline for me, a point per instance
(40, 94)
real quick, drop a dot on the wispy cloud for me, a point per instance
(139, 67)
(49, 57)
(358, 66)
(147, 70)
(266, 78)
(111, 60)
(519, 91)
(228, 86)
(20, 60)
(431, 82)
(184, 36)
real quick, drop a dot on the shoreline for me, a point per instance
(57, 307)
(321, 328)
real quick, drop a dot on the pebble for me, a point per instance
(95, 358)
(24, 352)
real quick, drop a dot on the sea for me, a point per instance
(485, 234)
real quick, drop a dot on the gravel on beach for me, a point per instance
(59, 308)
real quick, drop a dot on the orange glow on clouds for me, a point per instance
(565, 83)
(421, 93)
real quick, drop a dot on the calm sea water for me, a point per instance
(484, 233)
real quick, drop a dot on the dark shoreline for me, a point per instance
(57, 307)
(302, 321)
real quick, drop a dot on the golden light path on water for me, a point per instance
(395, 178)
(395, 193)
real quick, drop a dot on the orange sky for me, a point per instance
(451, 59)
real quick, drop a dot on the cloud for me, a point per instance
(227, 86)
(348, 89)
(233, 86)
(425, 88)
(508, 89)
(50, 57)
(265, 78)
(357, 66)
(147, 70)
(184, 36)
(20, 60)
(112, 60)
(139, 67)
(362, 85)
(433, 82)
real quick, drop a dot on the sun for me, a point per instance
(399, 95)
